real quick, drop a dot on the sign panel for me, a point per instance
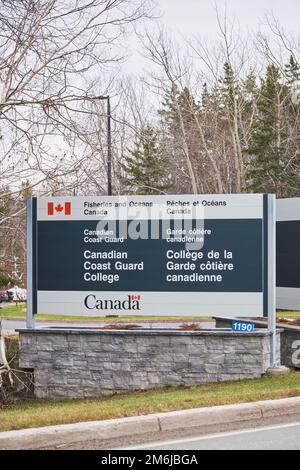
(288, 253)
(150, 255)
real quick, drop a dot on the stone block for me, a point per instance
(252, 358)
(211, 368)
(45, 356)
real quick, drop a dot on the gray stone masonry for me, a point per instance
(72, 363)
(289, 340)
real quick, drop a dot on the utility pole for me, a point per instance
(109, 149)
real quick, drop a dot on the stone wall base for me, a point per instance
(85, 363)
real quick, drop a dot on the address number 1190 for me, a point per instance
(243, 326)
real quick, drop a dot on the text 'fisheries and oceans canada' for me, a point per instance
(173, 207)
(180, 266)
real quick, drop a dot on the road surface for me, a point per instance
(279, 437)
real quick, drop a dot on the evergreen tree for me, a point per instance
(249, 96)
(144, 166)
(4, 279)
(229, 88)
(292, 126)
(266, 151)
(249, 90)
(292, 71)
(179, 114)
(205, 98)
(292, 74)
(179, 106)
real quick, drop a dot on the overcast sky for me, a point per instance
(185, 18)
(198, 16)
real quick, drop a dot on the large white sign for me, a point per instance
(150, 255)
(288, 254)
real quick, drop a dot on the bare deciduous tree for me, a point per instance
(52, 52)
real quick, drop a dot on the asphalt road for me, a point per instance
(279, 437)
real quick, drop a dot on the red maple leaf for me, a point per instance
(59, 208)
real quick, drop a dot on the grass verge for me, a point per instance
(17, 312)
(288, 314)
(35, 413)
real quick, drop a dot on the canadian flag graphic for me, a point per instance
(59, 208)
(135, 297)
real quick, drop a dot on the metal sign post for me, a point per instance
(30, 323)
(272, 277)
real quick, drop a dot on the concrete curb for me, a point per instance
(199, 419)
